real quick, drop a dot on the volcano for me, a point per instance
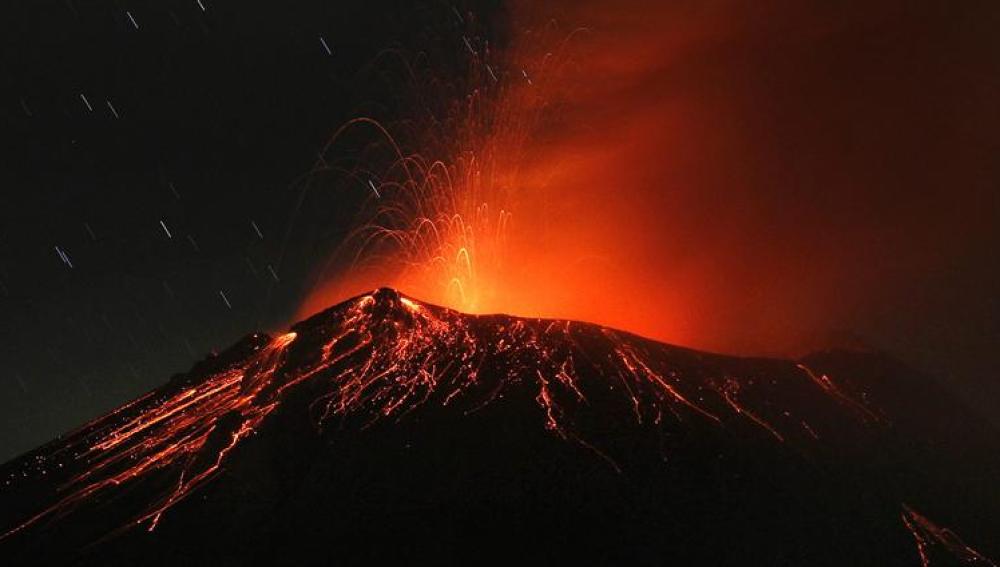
(387, 429)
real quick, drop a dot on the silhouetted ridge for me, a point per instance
(388, 429)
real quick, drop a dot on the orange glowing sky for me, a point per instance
(736, 177)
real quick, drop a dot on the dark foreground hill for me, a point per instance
(384, 429)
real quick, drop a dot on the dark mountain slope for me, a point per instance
(387, 429)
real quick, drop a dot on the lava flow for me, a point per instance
(190, 429)
(384, 357)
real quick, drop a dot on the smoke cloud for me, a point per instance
(750, 177)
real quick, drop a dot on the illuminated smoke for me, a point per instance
(737, 177)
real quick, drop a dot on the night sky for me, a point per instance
(154, 153)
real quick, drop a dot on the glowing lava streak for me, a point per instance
(931, 539)
(172, 431)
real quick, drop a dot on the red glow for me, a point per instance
(712, 176)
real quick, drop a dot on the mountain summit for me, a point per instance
(387, 429)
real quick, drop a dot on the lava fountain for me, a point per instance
(446, 223)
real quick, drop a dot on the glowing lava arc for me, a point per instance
(383, 356)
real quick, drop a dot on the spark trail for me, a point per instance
(447, 195)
